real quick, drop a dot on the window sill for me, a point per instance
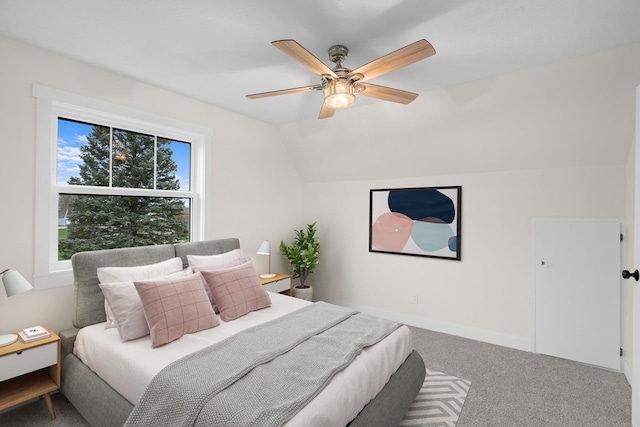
(53, 280)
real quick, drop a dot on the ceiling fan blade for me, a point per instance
(326, 112)
(387, 93)
(303, 56)
(284, 91)
(400, 58)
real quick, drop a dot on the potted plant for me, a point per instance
(302, 254)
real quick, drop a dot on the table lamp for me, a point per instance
(14, 284)
(265, 249)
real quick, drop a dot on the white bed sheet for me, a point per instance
(129, 367)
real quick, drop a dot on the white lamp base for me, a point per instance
(267, 276)
(8, 339)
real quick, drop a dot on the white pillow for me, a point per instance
(126, 314)
(126, 307)
(209, 262)
(142, 272)
(130, 274)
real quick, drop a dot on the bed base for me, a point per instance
(102, 406)
(389, 406)
(98, 403)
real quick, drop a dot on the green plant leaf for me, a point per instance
(303, 253)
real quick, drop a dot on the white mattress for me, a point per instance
(129, 367)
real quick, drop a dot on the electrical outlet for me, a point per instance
(414, 297)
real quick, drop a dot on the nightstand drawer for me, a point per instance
(32, 359)
(279, 286)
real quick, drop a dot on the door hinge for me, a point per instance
(621, 237)
(621, 352)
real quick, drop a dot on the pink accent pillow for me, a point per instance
(212, 266)
(174, 307)
(236, 290)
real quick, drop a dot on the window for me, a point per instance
(109, 177)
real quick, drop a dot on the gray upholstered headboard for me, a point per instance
(88, 307)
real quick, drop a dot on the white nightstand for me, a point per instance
(29, 370)
(280, 283)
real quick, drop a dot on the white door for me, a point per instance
(635, 378)
(577, 290)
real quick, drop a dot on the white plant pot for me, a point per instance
(305, 293)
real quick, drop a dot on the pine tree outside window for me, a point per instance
(110, 177)
(116, 158)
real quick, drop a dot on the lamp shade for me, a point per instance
(14, 283)
(265, 248)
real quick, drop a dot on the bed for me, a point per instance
(109, 387)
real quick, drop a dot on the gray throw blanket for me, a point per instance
(262, 377)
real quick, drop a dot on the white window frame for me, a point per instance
(52, 104)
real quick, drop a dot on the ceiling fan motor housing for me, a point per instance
(338, 53)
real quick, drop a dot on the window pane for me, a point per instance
(91, 222)
(83, 153)
(180, 154)
(133, 159)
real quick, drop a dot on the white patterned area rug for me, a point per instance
(439, 402)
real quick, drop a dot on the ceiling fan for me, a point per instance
(340, 85)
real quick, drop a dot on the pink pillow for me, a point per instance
(236, 290)
(174, 307)
(195, 267)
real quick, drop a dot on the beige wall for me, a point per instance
(248, 198)
(486, 295)
(547, 142)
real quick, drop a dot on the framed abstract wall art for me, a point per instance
(416, 221)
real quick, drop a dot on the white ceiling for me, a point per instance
(219, 51)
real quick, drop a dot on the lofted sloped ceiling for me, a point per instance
(575, 113)
(219, 51)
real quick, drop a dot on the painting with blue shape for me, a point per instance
(416, 221)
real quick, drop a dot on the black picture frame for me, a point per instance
(418, 221)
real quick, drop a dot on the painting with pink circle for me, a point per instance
(421, 221)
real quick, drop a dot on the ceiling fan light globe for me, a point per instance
(343, 100)
(339, 94)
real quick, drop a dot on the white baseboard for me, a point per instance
(490, 337)
(447, 328)
(626, 368)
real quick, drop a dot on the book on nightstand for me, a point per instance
(33, 333)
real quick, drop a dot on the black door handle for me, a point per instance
(626, 274)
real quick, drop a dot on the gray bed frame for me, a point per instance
(102, 406)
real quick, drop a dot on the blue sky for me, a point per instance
(73, 135)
